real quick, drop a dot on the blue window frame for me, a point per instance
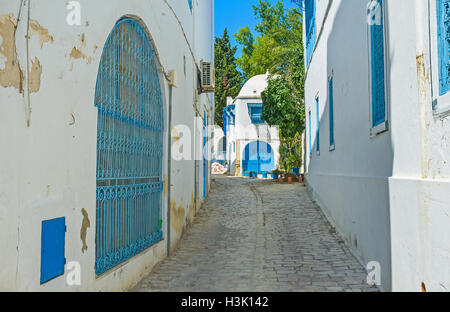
(331, 108)
(317, 126)
(310, 24)
(443, 31)
(377, 57)
(310, 135)
(255, 112)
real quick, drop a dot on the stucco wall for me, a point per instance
(49, 167)
(383, 191)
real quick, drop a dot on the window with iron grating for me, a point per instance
(378, 92)
(129, 147)
(255, 112)
(443, 27)
(310, 23)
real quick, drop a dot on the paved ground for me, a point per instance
(258, 236)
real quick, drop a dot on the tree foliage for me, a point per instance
(228, 78)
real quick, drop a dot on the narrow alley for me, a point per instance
(253, 235)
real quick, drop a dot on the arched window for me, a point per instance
(129, 147)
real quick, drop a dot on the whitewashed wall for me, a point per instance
(385, 194)
(246, 132)
(48, 169)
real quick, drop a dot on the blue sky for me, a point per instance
(235, 14)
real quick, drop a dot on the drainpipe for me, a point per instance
(172, 83)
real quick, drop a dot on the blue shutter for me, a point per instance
(310, 24)
(330, 91)
(255, 111)
(317, 126)
(310, 136)
(378, 70)
(443, 19)
(53, 237)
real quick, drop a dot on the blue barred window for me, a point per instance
(310, 24)
(130, 133)
(443, 30)
(255, 112)
(378, 92)
(330, 94)
(317, 126)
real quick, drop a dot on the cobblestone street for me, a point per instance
(258, 236)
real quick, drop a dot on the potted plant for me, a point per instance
(290, 177)
(275, 174)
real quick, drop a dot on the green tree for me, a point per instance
(280, 32)
(228, 78)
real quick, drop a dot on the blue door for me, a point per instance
(129, 147)
(258, 157)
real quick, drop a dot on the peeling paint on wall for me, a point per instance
(35, 76)
(192, 208)
(41, 32)
(423, 83)
(10, 72)
(175, 136)
(84, 226)
(77, 54)
(177, 214)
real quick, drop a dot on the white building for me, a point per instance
(85, 93)
(252, 145)
(378, 133)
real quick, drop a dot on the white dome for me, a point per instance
(254, 86)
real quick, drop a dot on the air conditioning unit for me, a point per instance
(207, 78)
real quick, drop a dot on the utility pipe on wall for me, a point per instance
(172, 80)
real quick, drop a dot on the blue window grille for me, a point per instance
(443, 30)
(331, 101)
(317, 126)
(53, 240)
(255, 112)
(310, 24)
(310, 136)
(129, 147)
(378, 92)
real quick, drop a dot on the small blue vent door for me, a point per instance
(53, 237)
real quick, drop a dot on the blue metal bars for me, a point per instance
(129, 147)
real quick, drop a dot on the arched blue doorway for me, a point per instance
(258, 157)
(129, 147)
